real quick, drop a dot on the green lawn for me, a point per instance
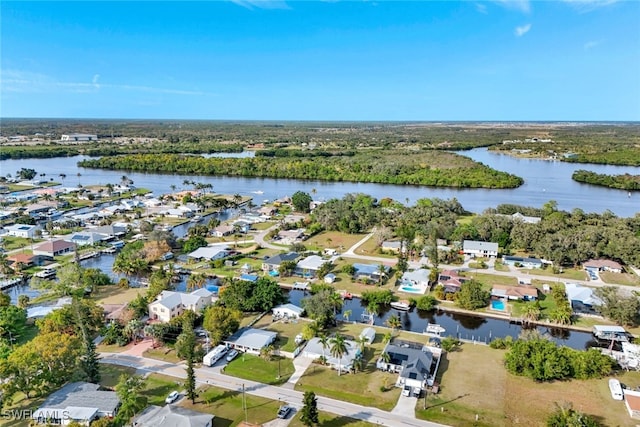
(165, 354)
(251, 367)
(159, 386)
(629, 279)
(334, 240)
(286, 331)
(491, 279)
(330, 420)
(567, 273)
(10, 243)
(110, 374)
(227, 406)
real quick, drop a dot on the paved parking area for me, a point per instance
(405, 406)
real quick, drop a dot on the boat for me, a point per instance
(616, 389)
(258, 192)
(47, 273)
(400, 305)
(434, 329)
(196, 218)
(345, 295)
(610, 333)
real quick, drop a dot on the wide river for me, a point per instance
(544, 181)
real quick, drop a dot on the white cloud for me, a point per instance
(591, 44)
(522, 30)
(584, 6)
(28, 82)
(261, 4)
(518, 5)
(482, 8)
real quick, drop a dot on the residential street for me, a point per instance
(213, 376)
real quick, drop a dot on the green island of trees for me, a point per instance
(431, 168)
(622, 182)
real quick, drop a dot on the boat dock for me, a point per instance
(10, 283)
(610, 333)
(302, 286)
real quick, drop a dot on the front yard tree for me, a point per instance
(338, 349)
(566, 416)
(471, 295)
(309, 416)
(221, 322)
(301, 201)
(129, 390)
(617, 307)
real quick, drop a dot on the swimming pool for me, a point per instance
(497, 305)
(412, 290)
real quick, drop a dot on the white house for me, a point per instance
(251, 340)
(172, 416)
(289, 311)
(309, 266)
(315, 350)
(210, 252)
(480, 249)
(86, 238)
(22, 230)
(223, 230)
(79, 137)
(416, 278)
(170, 304)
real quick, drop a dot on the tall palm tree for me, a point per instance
(362, 343)
(336, 302)
(394, 322)
(237, 198)
(133, 329)
(338, 349)
(530, 312)
(346, 315)
(324, 342)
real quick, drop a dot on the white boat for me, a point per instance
(47, 273)
(258, 192)
(434, 329)
(196, 218)
(400, 305)
(616, 389)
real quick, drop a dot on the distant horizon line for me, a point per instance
(317, 120)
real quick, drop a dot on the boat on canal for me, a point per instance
(400, 305)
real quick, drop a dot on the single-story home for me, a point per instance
(370, 271)
(80, 401)
(632, 402)
(54, 248)
(171, 416)
(211, 253)
(524, 293)
(309, 266)
(526, 219)
(581, 298)
(315, 350)
(110, 230)
(418, 277)
(369, 333)
(22, 230)
(414, 362)
(223, 230)
(273, 263)
(329, 278)
(603, 265)
(394, 246)
(451, 281)
(267, 211)
(86, 238)
(289, 311)
(25, 260)
(524, 262)
(171, 304)
(289, 237)
(251, 340)
(249, 277)
(476, 248)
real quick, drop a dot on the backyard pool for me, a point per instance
(412, 289)
(497, 305)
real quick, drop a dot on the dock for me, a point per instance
(88, 255)
(302, 286)
(10, 283)
(610, 333)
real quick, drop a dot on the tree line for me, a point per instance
(622, 182)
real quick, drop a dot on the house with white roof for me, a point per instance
(86, 238)
(22, 230)
(171, 416)
(211, 253)
(581, 298)
(251, 340)
(419, 277)
(171, 304)
(309, 266)
(315, 350)
(480, 249)
(289, 311)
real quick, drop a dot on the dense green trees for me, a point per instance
(472, 296)
(622, 182)
(622, 309)
(301, 201)
(262, 295)
(221, 322)
(322, 306)
(309, 412)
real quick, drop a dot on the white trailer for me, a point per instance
(214, 355)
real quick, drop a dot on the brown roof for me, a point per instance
(632, 401)
(23, 258)
(518, 291)
(54, 246)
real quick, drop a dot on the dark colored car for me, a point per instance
(284, 411)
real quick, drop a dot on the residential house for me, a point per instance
(309, 266)
(223, 230)
(394, 246)
(289, 237)
(171, 416)
(253, 278)
(520, 217)
(25, 231)
(267, 211)
(171, 304)
(370, 271)
(111, 231)
(80, 401)
(79, 137)
(416, 278)
(289, 311)
(242, 226)
(314, 350)
(35, 210)
(602, 265)
(25, 260)
(523, 262)
(476, 248)
(54, 248)
(251, 340)
(273, 263)
(451, 280)
(416, 363)
(632, 402)
(86, 238)
(178, 213)
(517, 293)
(211, 253)
(581, 298)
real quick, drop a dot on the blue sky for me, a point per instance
(331, 60)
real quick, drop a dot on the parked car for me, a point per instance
(284, 411)
(406, 391)
(232, 355)
(173, 396)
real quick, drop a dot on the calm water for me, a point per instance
(544, 181)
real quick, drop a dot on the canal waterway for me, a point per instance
(544, 180)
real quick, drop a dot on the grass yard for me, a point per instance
(499, 266)
(115, 295)
(110, 374)
(334, 240)
(260, 226)
(491, 279)
(466, 376)
(370, 248)
(159, 386)
(226, 406)
(10, 243)
(21, 407)
(165, 354)
(567, 273)
(287, 331)
(629, 279)
(274, 372)
(330, 420)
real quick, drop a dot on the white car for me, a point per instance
(173, 396)
(232, 355)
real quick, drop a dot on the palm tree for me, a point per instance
(324, 342)
(386, 357)
(387, 337)
(394, 322)
(237, 198)
(267, 351)
(346, 315)
(530, 312)
(381, 273)
(338, 349)
(336, 302)
(195, 281)
(362, 343)
(133, 329)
